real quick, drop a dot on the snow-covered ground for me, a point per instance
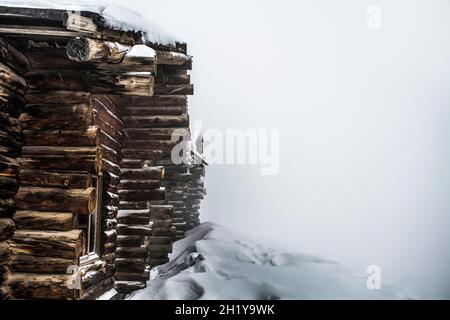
(214, 263)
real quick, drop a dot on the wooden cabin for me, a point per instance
(87, 184)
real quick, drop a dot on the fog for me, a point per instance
(364, 127)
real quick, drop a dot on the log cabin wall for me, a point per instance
(73, 133)
(72, 140)
(13, 65)
(97, 125)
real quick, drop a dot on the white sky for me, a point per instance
(364, 122)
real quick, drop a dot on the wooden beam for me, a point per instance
(13, 58)
(65, 245)
(35, 286)
(38, 32)
(80, 201)
(40, 265)
(38, 220)
(96, 51)
(56, 58)
(101, 82)
(45, 179)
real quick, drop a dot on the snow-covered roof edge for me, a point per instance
(115, 17)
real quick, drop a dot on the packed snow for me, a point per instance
(214, 263)
(141, 50)
(117, 17)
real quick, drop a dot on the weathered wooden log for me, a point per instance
(5, 252)
(4, 274)
(97, 289)
(157, 223)
(109, 248)
(183, 89)
(9, 151)
(11, 102)
(154, 111)
(111, 198)
(12, 57)
(160, 248)
(160, 241)
(140, 184)
(110, 224)
(93, 277)
(38, 220)
(89, 137)
(6, 139)
(36, 151)
(157, 121)
(149, 173)
(141, 84)
(59, 163)
(45, 117)
(11, 80)
(129, 241)
(97, 51)
(110, 236)
(34, 286)
(130, 252)
(7, 229)
(79, 201)
(40, 265)
(152, 155)
(171, 58)
(109, 154)
(152, 133)
(10, 124)
(110, 167)
(126, 276)
(129, 230)
(162, 145)
(8, 187)
(170, 69)
(173, 79)
(106, 110)
(161, 212)
(134, 214)
(134, 164)
(155, 101)
(68, 245)
(163, 232)
(45, 179)
(115, 133)
(123, 205)
(142, 195)
(7, 208)
(56, 58)
(130, 265)
(55, 97)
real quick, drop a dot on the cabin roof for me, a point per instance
(103, 16)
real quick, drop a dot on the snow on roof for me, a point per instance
(116, 17)
(141, 50)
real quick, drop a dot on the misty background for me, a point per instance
(364, 126)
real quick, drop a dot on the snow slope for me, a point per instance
(214, 263)
(117, 17)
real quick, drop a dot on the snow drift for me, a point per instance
(214, 263)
